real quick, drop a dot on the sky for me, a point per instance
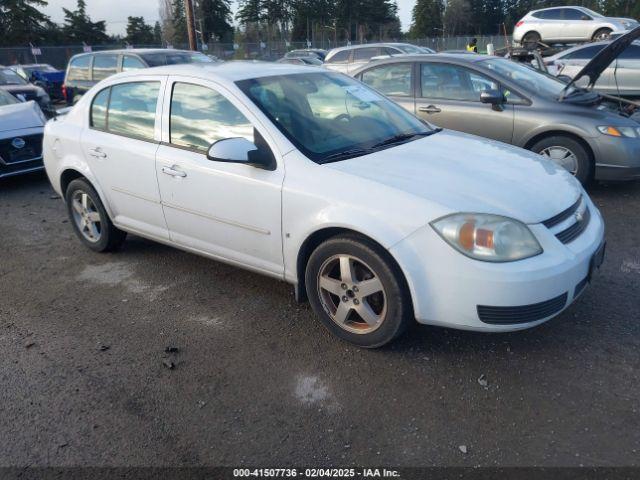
(115, 12)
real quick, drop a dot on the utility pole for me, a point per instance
(191, 25)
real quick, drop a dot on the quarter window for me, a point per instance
(131, 110)
(79, 68)
(104, 66)
(201, 116)
(393, 79)
(453, 82)
(365, 54)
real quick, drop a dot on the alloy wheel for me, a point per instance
(352, 294)
(86, 216)
(563, 157)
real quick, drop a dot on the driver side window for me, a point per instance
(452, 82)
(201, 116)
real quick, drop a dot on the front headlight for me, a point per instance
(629, 132)
(491, 238)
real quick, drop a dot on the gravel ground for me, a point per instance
(258, 381)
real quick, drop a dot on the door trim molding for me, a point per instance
(217, 219)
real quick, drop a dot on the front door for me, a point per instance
(231, 211)
(120, 146)
(448, 96)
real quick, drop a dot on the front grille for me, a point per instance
(562, 216)
(32, 149)
(522, 313)
(574, 231)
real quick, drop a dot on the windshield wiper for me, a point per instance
(354, 152)
(402, 137)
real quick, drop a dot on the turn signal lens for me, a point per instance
(492, 238)
(629, 132)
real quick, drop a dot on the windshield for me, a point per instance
(174, 58)
(7, 99)
(527, 77)
(9, 77)
(330, 116)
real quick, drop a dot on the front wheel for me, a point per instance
(601, 35)
(357, 291)
(567, 153)
(89, 218)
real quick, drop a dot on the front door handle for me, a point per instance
(429, 109)
(97, 152)
(173, 172)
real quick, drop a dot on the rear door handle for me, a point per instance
(97, 152)
(173, 172)
(429, 109)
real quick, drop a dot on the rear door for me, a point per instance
(120, 145)
(552, 24)
(395, 80)
(448, 95)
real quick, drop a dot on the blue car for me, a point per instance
(43, 75)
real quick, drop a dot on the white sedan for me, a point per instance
(311, 177)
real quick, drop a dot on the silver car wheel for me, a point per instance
(86, 216)
(563, 157)
(352, 294)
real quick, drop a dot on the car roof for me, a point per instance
(135, 51)
(227, 71)
(556, 7)
(431, 57)
(367, 45)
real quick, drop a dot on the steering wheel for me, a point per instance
(343, 117)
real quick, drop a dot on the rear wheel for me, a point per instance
(602, 34)
(567, 153)
(357, 291)
(530, 40)
(89, 218)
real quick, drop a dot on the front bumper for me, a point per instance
(447, 288)
(617, 159)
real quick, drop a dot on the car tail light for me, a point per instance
(64, 91)
(520, 23)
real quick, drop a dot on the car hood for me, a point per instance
(465, 173)
(20, 115)
(603, 59)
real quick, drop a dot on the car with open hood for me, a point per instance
(21, 127)
(307, 175)
(591, 135)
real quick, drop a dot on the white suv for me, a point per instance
(567, 24)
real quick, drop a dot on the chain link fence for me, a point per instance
(58, 56)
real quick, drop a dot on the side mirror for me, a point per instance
(492, 97)
(241, 150)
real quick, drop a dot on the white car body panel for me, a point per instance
(260, 219)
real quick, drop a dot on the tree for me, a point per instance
(426, 19)
(179, 23)
(216, 19)
(166, 20)
(157, 33)
(457, 17)
(21, 22)
(138, 32)
(79, 28)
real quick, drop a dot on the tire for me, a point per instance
(388, 309)
(559, 148)
(601, 34)
(89, 218)
(530, 40)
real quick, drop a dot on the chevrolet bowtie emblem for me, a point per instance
(579, 217)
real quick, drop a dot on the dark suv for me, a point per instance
(87, 69)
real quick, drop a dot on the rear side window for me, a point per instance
(104, 66)
(131, 63)
(79, 68)
(393, 79)
(555, 14)
(201, 116)
(340, 57)
(585, 53)
(573, 14)
(365, 54)
(130, 109)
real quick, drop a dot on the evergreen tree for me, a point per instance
(426, 19)
(216, 20)
(21, 22)
(79, 28)
(157, 34)
(179, 22)
(139, 32)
